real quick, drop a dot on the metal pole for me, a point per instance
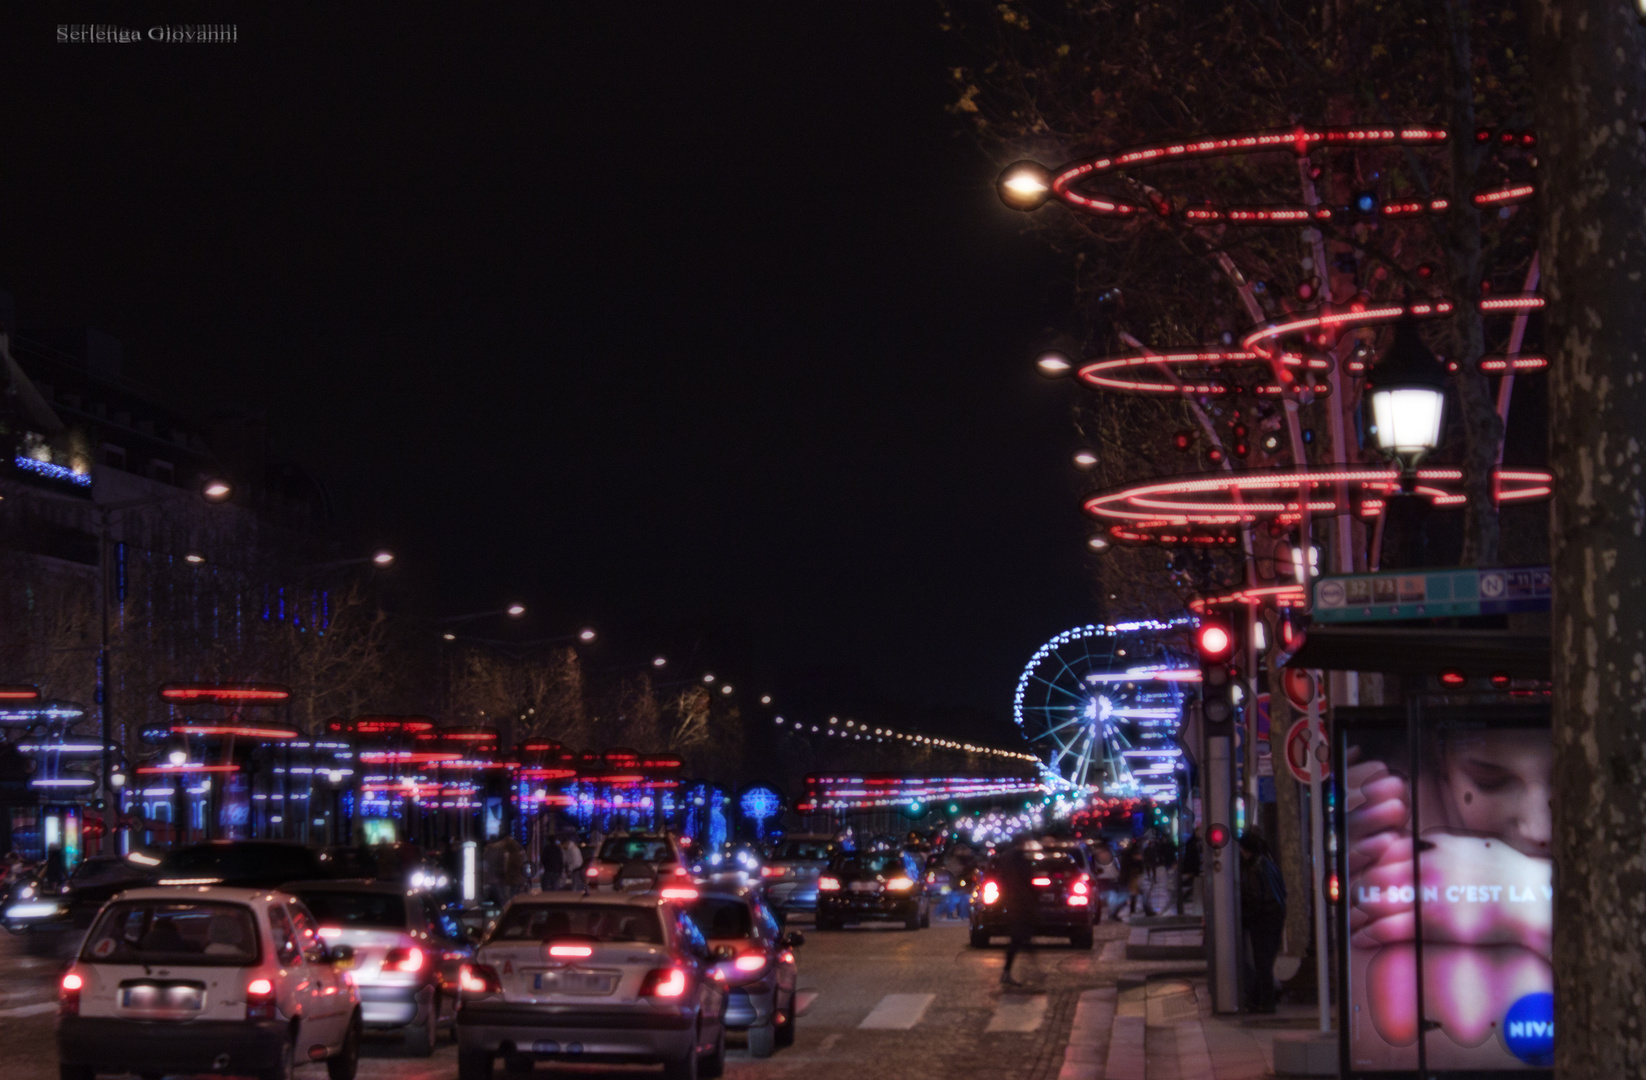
(1317, 851)
(106, 788)
(1223, 915)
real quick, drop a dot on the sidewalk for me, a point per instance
(1157, 1024)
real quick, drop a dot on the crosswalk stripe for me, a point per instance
(30, 1010)
(897, 1012)
(1018, 1014)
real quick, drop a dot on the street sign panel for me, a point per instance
(1431, 594)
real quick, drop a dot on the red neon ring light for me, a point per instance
(1278, 595)
(1110, 372)
(1259, 339)
(1209, 499)
(246, 731)
(1298, 140)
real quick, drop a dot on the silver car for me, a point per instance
(790, 875)
(612, 978)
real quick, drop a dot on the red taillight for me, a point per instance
(678, 892)
(260, 1000)
(750, 962)
(593, 871)
(1081, 886)
(991, 892)
(409, 961)
(478, 979)
(68, 994)
(1077, 900)
(772, 871)
(664, 983)
(828, 884)
(571, 952)
(1453, 677)
(1042, 881)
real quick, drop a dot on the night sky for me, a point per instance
(700, 324)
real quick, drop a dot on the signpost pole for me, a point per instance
(1317, 852)
(1223, 919)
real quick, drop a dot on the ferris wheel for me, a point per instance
(1094, 698)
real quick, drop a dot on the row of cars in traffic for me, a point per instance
(210, 964)
(250, 958)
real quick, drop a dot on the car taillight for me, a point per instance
(571, 952)
(991, 892)
(680, 871)
(678, 892)
(900, 884)
(260, 1000)
(750, 962)
(828, 884)
(1081, 887)
(772, 871)
(1078, 900)
(331, 931)
(664, 983)
(68, 994)
(409, 960)
(478, 979)
(1042, 881)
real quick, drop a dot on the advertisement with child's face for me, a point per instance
(1464, 848)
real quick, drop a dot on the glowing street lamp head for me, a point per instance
(1408, 395)
(1025, 185)
(449, 636)
(1098, 543)
(708, 677)
(586, 634)
(1053, 364)
(178, 757)
(383, 557)
(216, 491)
(726, 689)
(194, 558)
(516, 610)
(1084, 459)
(765, 699)
(659, 661)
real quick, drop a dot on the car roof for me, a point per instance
(349, 885)
(743, 893)
(229, 893)
(603, 899)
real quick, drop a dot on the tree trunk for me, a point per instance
(1588, 65)
(1482, 430)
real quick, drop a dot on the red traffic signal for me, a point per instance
(1217, 836)
(1214, 641)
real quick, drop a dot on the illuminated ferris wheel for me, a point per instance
(1095, 698)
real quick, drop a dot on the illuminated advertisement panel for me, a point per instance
(1447, 909)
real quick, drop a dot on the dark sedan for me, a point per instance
(1065, 901)
(878, 886)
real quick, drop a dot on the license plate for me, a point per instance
(573, 982)
(162, 999)
(865, 886)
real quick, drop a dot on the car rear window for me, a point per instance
(600, 922)
(878, 863)
(803, 849)
(197, 933)
(722, 918)
(624, 848)
(363, 910)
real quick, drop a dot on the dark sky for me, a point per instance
(698, 323)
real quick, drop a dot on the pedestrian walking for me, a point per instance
(1016, 871)
(1262, 916)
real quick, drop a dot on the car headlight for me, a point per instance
(26, 893)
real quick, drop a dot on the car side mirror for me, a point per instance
(342, 955)
(722, 952)
(793, 939)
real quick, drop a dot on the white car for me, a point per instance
(198, 979)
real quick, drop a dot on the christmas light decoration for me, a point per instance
(1116, 372)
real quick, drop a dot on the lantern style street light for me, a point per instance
(1053, 364)
(1408, 392)
(1025, 185)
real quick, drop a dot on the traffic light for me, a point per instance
(1215, 641)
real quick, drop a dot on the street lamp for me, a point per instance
(1025, 185)
(383, 557)
(1408, 398)
(1053, 364)
(586, 634)
(659, 661)
(216, 490)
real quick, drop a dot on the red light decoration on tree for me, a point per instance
(225, 693)
(1512, 302)
(1260, 339)
(1068, 180)
(1504, 196)
(1513, 365)
(1184, 372)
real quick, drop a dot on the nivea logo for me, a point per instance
(1529, 1029)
